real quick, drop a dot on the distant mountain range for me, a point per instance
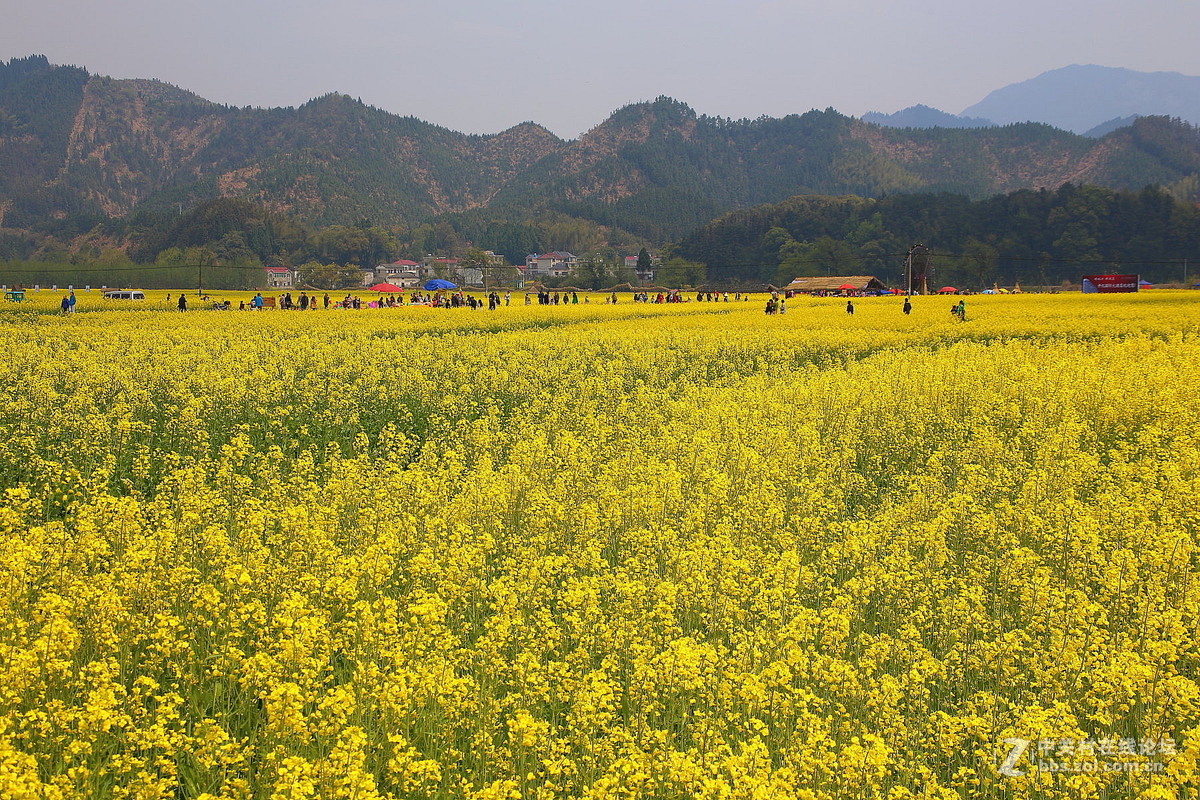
(1088, 100)
(81, 146)
(921, 116)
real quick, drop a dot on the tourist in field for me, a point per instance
(182, 302)
(849, 306)
(907, 306)
(65, 305)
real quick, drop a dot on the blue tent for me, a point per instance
(438, 283)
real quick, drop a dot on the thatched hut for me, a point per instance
(837, 283)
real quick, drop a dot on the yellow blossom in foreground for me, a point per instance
(602, 551)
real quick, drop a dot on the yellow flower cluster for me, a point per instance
(686, 551)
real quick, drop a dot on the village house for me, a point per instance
(555, 264)
(280, 277)
(643, 275)
(403, 273)
(450, 269)
(438, 267)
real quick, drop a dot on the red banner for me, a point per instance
(1109, 283)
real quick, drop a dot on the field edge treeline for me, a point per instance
(1040, 237)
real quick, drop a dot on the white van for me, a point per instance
(125, 295)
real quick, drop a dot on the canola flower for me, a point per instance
(601, 552)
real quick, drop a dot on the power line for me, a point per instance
(135, 268)
(1000, 259)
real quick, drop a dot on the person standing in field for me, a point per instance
(65, 305)
(182, 302)
(849, 306)
(907, 306)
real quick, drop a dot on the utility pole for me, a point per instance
(922, 254)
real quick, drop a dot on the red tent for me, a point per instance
(947, 290)
(848, 287)
(386, 287)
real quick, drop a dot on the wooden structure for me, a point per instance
(835, 283)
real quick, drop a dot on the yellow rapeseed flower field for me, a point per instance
(596, 551)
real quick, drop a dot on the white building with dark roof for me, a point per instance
(555, 264)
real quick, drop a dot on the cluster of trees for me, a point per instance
(235, 239)
(1037, 237)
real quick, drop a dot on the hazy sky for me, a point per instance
(481, 67)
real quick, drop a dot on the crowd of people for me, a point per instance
(548, 298)
(776, 303)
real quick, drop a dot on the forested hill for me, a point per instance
(74, 145)
(1041, 237)
(102, 146)
(660, 170)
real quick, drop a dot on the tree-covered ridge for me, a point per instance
(77, 150)
(1038, 237)
(38, 104)
(119, 145)
(659, 170)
